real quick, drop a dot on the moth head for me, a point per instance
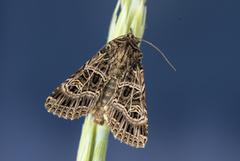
(132, 39)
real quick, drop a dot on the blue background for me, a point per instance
(194, 113)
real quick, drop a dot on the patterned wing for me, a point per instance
(126, 114)
(77, 96)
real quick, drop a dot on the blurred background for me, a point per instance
(194, 113)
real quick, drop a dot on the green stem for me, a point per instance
(93, 142)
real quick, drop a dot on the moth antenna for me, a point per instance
(159, 52)
(130, 30)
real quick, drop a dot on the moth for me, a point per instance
(110, 86)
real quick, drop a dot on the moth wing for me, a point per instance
(77, 96)
(126, 114)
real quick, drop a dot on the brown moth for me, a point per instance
(111, 86)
